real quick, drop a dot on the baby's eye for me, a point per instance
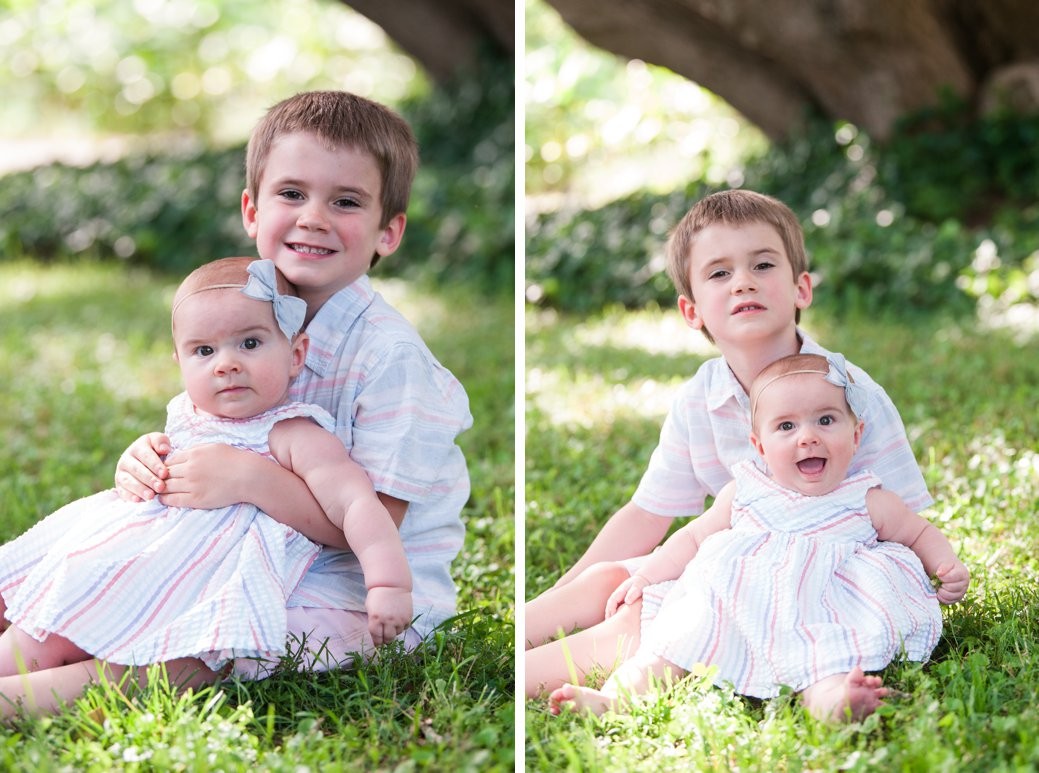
(786, 426)
(204, 350)
(251, 343)
(826, 421)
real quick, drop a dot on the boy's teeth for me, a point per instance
(310, 250)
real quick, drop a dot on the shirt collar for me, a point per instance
(333, 321)
(726, 386)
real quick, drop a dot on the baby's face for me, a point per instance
(806, 433)
(233, 357)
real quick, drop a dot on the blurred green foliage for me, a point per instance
(912, 225)
(600, 126)
(174, 211)
(204, 67)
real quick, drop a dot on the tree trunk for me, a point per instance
(444, 35)
(865, 61)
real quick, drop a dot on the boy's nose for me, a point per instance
(311, 219)
(743, 282)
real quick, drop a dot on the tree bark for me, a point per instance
(866, 61)
(444, 36)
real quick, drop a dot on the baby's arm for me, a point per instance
(670, 561)
(897, 523)
(345, 493)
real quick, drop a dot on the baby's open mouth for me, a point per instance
(813, 465)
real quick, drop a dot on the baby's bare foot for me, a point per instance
(574, 698)
(863, 694)
(842, 697)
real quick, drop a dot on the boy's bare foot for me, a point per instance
(845, 696)
(575, 698)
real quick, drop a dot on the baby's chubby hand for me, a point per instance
(628, 592)
(389, 612)
(953, 579)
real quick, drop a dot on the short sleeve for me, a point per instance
(670, 487)
(885, 449)
(406, 415)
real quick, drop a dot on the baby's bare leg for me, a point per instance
(46, 692)
(842, 697)
(580, 603)
(632, 678)
(20, 652)
(601, 646)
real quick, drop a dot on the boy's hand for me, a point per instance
(628, 592)
(198, 476)
(140, 473)
(953, 580)
(389, 612)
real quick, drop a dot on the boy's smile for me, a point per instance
(318, 215)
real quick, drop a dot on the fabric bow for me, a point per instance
(289, 311)
(856, 394)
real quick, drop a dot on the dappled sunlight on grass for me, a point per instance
(599, 381)
(967, 396)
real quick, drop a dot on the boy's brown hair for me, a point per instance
(733, 208)
(342, 119)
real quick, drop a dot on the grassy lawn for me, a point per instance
(85, 366)
(597, 392)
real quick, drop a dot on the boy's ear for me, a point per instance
(804, 291)
(687, 307)
(249, 215)
(392, 233)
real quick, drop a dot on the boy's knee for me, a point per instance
(606, 575)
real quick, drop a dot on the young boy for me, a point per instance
(328, 176)
(738, 262)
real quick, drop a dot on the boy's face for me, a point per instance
(317, 215)
(233, 357)
(743, 284)
(805, 432)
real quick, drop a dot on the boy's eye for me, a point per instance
(347, 203)
(720, 273)
(764, 265)
(250, 343)
(291, 194)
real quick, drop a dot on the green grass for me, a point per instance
(85, 366)
(598, 389)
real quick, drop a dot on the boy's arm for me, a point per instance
(630, 532)
(199, 478)
(895, 522)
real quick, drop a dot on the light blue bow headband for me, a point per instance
(289, 311)
(837, 374)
